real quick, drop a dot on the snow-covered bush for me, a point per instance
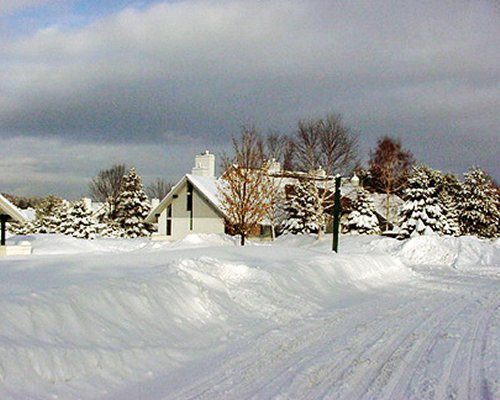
(479, 211)
(362, 219)
(49, 214)
(421, 213)
(132, 206)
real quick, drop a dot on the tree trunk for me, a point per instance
(242, 239)
(387, 210)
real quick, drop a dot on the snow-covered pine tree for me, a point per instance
(79, 222)
(362, 219)
(479, 208)
(132, 206)
(448, 188)
(421, 213)
(302, 208)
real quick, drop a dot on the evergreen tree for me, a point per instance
(362, 219)
(132, 206)
(302, 208)
(78, 222)
(421, 213)
(480, 207)
(448, 189)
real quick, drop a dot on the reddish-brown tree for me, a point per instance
(389, 166)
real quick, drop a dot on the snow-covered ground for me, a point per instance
(206, 319)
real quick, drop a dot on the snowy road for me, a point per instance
(209, 320)
(415, 341)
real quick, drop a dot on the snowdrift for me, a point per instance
(80, 319)
(457, 252)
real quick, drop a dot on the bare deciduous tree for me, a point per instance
(326, 143)
(106, 185)
(159, 188)
(389, 165)
(246, 188)
(280, 148)
(325, 147)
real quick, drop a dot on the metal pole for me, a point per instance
(336, 215)
(3, 220)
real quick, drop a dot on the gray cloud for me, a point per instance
(55, 165)
(427, 73)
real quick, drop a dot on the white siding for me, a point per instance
(205, 218)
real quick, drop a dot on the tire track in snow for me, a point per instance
(431, 373)
(373, 352)
(273, 350)
(389, 361)
(393, 364)
(466, 361)
(280, 354)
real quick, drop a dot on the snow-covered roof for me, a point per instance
(379, 202)
(9, 209)
(207, 186)
(29, 213)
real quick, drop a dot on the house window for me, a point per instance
(189, 204)
(189, 200)
(169, 220)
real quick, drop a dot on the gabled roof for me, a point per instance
(9, 209)
(205, 185)
(208, 187)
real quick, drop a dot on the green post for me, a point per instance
(336, 215)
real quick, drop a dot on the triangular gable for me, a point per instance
(205, 186)
(12, 212)
(208, 188)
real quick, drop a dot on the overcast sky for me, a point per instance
(85, 84)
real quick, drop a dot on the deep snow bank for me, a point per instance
(80, 318)
(457, 252)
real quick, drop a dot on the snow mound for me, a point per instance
(205, 239)
(54, 244)
(457, 252)
(304, 240)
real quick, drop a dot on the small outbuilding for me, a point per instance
(10, 213)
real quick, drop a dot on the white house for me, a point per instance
(9, 212)
(192, 205)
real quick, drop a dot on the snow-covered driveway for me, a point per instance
(206, 319)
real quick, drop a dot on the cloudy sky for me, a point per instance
(85, 84)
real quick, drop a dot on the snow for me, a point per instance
(205, 318)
